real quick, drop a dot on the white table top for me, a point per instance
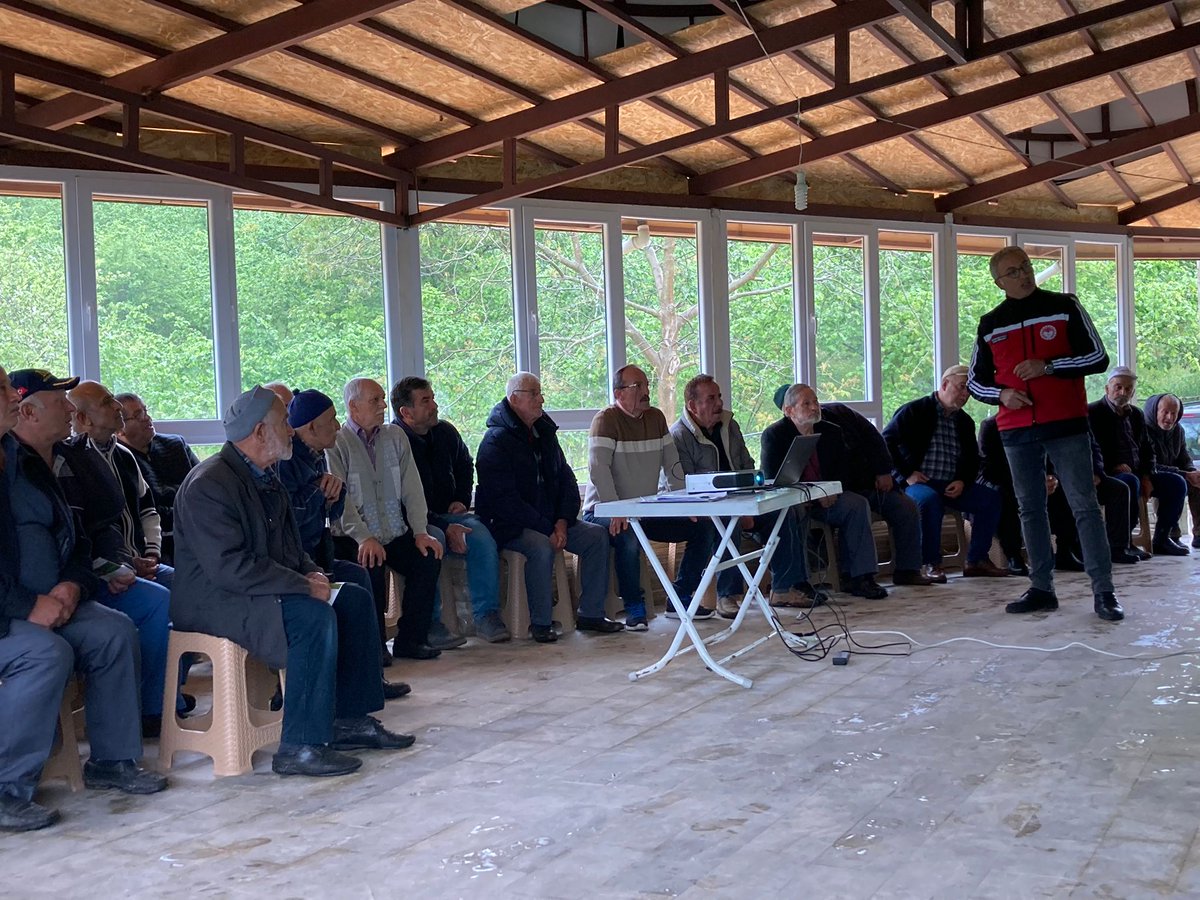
(743, 504)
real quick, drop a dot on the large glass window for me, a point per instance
(977, 295)
(662, 307)
(467, 315)
(154, 304)
(1096, 286)
(310, 298)
(905, 317)
(1048, 261)
(761, 322)
(1167, 312)
(572, 329)
(839, 301)
(33, 286)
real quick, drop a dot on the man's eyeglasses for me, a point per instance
(531, 391)
(643, 385)
(1025, 268)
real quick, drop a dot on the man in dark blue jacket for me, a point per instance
(47, 589)
(528, 497)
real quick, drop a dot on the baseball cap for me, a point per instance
(27, 382)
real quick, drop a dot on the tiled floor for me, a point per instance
(542, 771)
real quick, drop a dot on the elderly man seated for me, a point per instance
(709, 439)
(385, 522)
(1162, 412)
(630, 452)
(53, 604)
(1128, 456)
(848, 511)
(448, 475)
(165, 460)
(244, 576)
(529, 498)
(933, 443)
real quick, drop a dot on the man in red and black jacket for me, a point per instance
(1031, 355)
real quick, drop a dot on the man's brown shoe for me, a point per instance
(935, 574)
(984, 569)
(910, 576)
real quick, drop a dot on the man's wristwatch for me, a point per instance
(1049, 367)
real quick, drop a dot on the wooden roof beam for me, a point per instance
(1155, 205)
(919, 15)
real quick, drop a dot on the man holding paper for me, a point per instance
(244, 576)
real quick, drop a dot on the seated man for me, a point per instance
(529, 498)
(165, 460)
(848, 511)
(933, 444)
(1162, 412)
(103, 484)
(869, 471)
(385, 518)
(630, 451)
(448, 475)
(318, 496)
(1128, 455)
(244, 576)
(708, 439)
(48, 585)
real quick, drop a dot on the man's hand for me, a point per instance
(746, 523)
(456, 537)
(318, 586)
(1147, 487)
(331, 487)
(917, 477)
(558, 537)
(1030, 369)
(1014, 399)
(456, 508)
(954, 489)
(1192, 478)
(1122, 469)
(884, 482)
(49, 611)
(69, 593)
(371, 553)
(146, 567)
(1051, 485)
(1096, 480)
(427, 545)
(617, 524)
(121, 582)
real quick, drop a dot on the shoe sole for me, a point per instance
(93, 785)
(333, 774)
(341, 747)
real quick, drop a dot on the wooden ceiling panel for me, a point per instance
(138, 18)
(52, 42)
(1099, 188)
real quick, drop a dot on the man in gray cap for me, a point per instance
(244, 576)
(1128, 454)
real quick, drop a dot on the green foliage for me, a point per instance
(839, 301)
(33, 285)
(1168, 332)
(760, 330)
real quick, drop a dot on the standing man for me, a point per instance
(165, 460)
(448, 474)
(1031, 355)
(630, 453)
(385, 522)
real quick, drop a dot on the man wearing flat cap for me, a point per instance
(1128, 454)
(1031, 355)
(243, 575)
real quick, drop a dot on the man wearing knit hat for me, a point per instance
(244, 576)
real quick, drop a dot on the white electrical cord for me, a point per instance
(922, 646)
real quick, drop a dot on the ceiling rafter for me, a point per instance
(920, 16)
(957, 107)
(1160, 204)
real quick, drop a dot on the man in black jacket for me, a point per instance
(933, 444)
(1162, 413)
(1128, 454)
(848, 511)
(529, 498)
(448, 474)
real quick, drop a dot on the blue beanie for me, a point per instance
(306, 406)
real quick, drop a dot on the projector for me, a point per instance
(724, 481)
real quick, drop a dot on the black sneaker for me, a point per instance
(394, 690)
(121, 775)
(702, 612)
(600, 624)
(1108, 608)
(24, 815)
(1033, 600)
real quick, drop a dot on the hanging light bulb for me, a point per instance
(801, 190)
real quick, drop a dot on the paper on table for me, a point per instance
(683, 497)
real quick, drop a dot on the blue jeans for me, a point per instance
(148, 604)
(1171, 491)
(980, 502)
(789, 565)
(483, 566)
(587, 541)
(701, 540)
(34, 666)
(1072, 459)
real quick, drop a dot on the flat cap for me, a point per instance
(246, 411)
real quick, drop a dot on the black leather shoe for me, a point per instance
(121, 775)
(1033, 600)
(910, 577)
(416, 651)
(1108, 608)
(1068, 562)
(24, 815)
(314, 760)
(543, 634)
(1196, 541)
(598, 624)
(367, 733)
(1123, 557)
(394, 690)
(866, 586)
(385, 658)
(1140, 553)
(1170, 548)
(1016, 566)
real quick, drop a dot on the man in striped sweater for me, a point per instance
(630, 453)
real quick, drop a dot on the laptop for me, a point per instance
(791, 470)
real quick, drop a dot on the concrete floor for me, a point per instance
(542, 771)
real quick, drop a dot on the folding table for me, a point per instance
(724, 511)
